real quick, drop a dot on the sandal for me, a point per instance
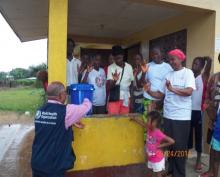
(206, 174)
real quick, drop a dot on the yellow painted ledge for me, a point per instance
(108, 142)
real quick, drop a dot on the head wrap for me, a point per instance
(177, 53)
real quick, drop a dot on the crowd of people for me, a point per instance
(153, 89)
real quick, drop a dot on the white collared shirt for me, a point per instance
(127, 78)
(72, 71)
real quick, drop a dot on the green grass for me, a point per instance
(21, 99)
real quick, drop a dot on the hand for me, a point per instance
(82, 68)
(144, 67)
(133, 118)
(147, 86)
(135, 72)
(79, 125)
(116, 76)
(169, 86)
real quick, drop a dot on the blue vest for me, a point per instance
(52, 147)
(216, 133)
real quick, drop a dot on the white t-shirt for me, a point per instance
(156, 74)
(197, 94)
(98, 80)
(72, 71)
(127, 78)
(178, 107)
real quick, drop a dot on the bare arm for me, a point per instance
(139, 81)
(206, 73)
(131, 89)
(85, 78)
(157, 94)
(111, 83)
(167, 142)
(75, 112)
(182, 92)
(139, 121)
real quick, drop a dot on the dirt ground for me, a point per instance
(16, 134)
(15, 118)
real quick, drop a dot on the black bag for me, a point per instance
(115, 91)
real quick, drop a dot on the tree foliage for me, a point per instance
(3, 75)
(34, 69)
(21, 73)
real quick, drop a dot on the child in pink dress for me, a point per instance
(156, 140)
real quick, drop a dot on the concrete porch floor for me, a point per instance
(15, 151)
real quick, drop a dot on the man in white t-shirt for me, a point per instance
(120, 74)
(73, 64)
(177, 89)
(157, 70)
(95, 75)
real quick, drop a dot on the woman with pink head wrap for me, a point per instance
(176, 58)
(177, 90)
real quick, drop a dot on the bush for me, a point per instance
(26, 82)
(38, 84)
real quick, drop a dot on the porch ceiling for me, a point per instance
(91, 19)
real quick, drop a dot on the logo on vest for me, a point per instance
(38, 115)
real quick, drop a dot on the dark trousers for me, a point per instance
(196, 125)
(98, 109)
(39, 174)
(179, 131)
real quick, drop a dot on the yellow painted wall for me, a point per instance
(57, 37)
(200, 33)
(108, 142)
(205, 4)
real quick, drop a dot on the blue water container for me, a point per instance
(80, 91)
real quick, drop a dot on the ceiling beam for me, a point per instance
(90, 39)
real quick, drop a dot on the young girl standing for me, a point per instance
(156, 140)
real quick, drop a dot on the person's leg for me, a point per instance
(159, 174)
(216, 163)
(124, 109)
(114, 107)
(211, 155)
(198, 139)
(149, 173)
(180, 135)
(211, 161)
(149, 169)
(190, 141)
(169, 132)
